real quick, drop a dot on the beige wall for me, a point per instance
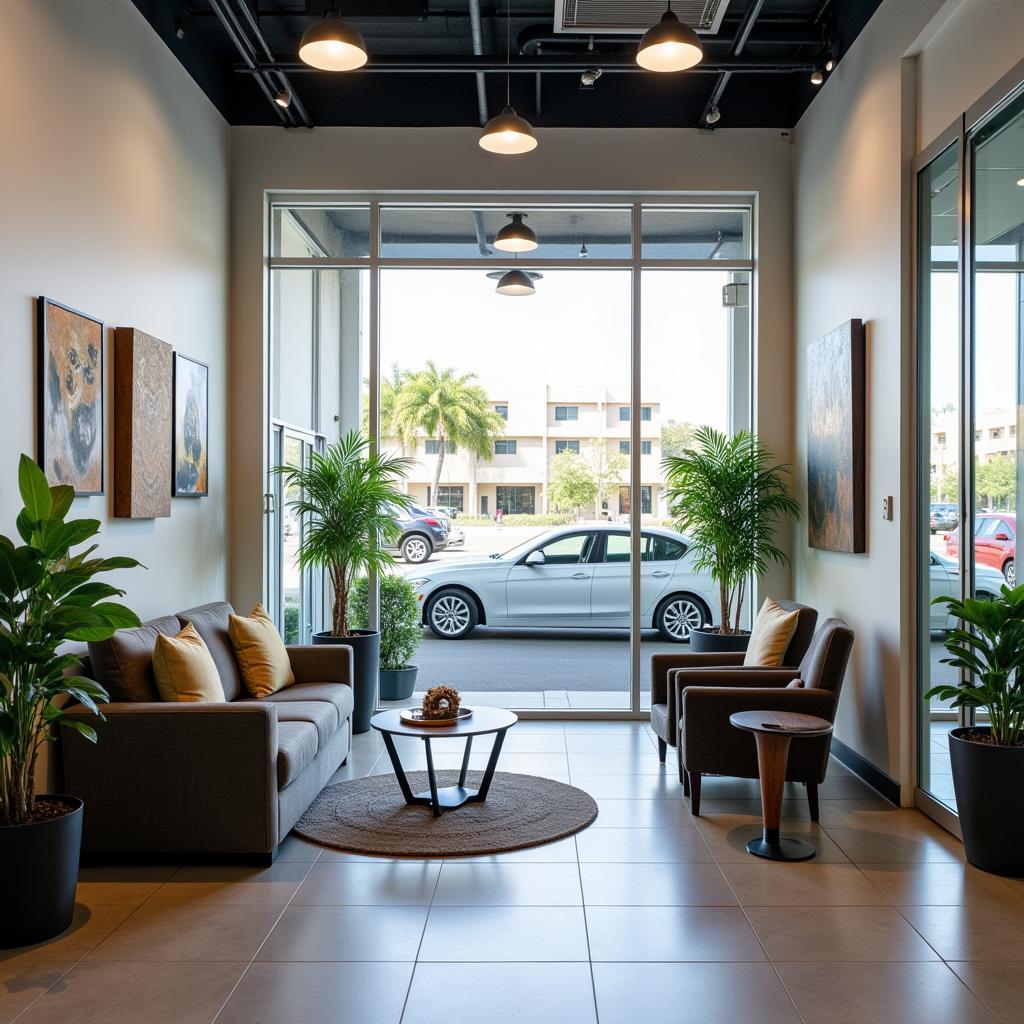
(114, 184)
(898, 85)
(439, 159)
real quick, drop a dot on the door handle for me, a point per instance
(660, 574)
(580, 576)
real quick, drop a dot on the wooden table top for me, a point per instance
(782, 723)
(483, 720)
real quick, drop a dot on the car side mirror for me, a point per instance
(1002, 536)
(535, 558)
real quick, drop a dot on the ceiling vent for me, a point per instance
(628, 17)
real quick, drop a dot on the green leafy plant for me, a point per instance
(347, 498)
(47, 597)
(401, 622)
(990, 644)
(571, 483)
(730, 497)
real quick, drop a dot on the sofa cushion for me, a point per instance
(337, 694)
(769, 639)
(184, 671)
(260, 652)
(211, 622)
(296, 747)
(321, 715)
(123, 665)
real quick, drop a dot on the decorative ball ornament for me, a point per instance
(440, 702)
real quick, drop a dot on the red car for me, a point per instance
(995, 536)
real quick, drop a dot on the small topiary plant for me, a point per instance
(401, 622)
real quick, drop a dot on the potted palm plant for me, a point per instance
(401, 631)
(47, 597)
(988, 760)
(730, 497)
(347, 500)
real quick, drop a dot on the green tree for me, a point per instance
(448, 406)
(609, 468)
(996, 480)
(946, 486)
(676, 437)
(571, 483)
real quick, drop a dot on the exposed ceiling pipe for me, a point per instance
(261, 39)
(476, 31)
(742, 35)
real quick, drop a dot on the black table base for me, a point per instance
(772, 846)
(447, 797)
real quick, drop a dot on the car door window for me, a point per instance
(616, 547)
(571, 550)
(985, 527)
(656, 548)
(1005, 527)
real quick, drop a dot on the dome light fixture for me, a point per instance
(670, 45)
(1020, 181)
(515, 282)
(508, 134)
(283, 98)
(516, 236)
(332, 44)
(817, 76)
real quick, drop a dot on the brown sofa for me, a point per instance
(226, 779)
(710, 745)
(664, 667)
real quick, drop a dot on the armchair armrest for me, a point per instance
(661, 664)
(177, 778)
(321, 663)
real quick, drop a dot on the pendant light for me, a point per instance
(332, 44)
(515, 282)
(516, 236)
(508, 133)
(670, 45)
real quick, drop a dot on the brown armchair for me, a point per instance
(710, 745)
(664, 716)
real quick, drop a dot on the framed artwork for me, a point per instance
(835, 440)
(191, 427)
(70, 398)
(143, 406)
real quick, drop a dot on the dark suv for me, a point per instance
(422, 534)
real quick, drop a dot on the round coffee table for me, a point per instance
(480, 723)
(773, 731)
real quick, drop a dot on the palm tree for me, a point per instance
(448, 406)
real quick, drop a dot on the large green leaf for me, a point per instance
(35, 491)
(25, 526)
(61, 497)
(89, 593)
(117, 615)
(82, 728)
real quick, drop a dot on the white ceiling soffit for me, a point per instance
(625, 17)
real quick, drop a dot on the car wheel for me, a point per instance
(416, 549)
(1010, 572)
(678, 614)
(452, 614)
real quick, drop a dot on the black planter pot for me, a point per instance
(397, 683)
(365, 646)
(39, 875)
(990, 801)
(708, 641)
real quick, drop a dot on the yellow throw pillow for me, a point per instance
(184, 669)
(262, 657)
(773, 629)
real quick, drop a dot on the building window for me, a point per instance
(995, 433)
(646, 447)
(645, 500)
(1013, 430)
(623, 413)
(977, 435)
(433, 447)
(940, 440)
(567, 446)
(623, 447)
(515, 501)
(502, 411)
(645, 412)
(450, 496)
(505, 447)
(567, 412)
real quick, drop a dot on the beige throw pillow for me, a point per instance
(770, 637)
(261, 654)
(184, 669)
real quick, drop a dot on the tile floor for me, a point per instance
(648, 916)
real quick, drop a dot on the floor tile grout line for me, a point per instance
(586, 930)
(419, 945)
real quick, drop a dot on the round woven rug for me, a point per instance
(370, 816)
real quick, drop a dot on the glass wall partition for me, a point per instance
(539, 545)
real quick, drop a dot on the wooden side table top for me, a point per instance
(781, 723)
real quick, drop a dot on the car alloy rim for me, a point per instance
(416, 548)
(450, 614)
(680, 617)
(1011, 573)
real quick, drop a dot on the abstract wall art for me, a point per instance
(835, 440)
(191, 427)
(70, 396)
(143, 407)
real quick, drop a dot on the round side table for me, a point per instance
(773, 731)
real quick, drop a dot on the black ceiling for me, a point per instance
(769, 85)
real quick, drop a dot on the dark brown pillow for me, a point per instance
(123, 665)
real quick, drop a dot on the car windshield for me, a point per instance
(519, 550)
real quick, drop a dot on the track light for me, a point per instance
(508, 134)
(283, 98)
(670, 45)
(713, 116)
(515, 282)
(584, 251)
(516, 236)
(332, 44)
(829, 64)
(1020, 182)
(817, 76)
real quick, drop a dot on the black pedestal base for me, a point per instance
(772, 846)
(449, 796)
